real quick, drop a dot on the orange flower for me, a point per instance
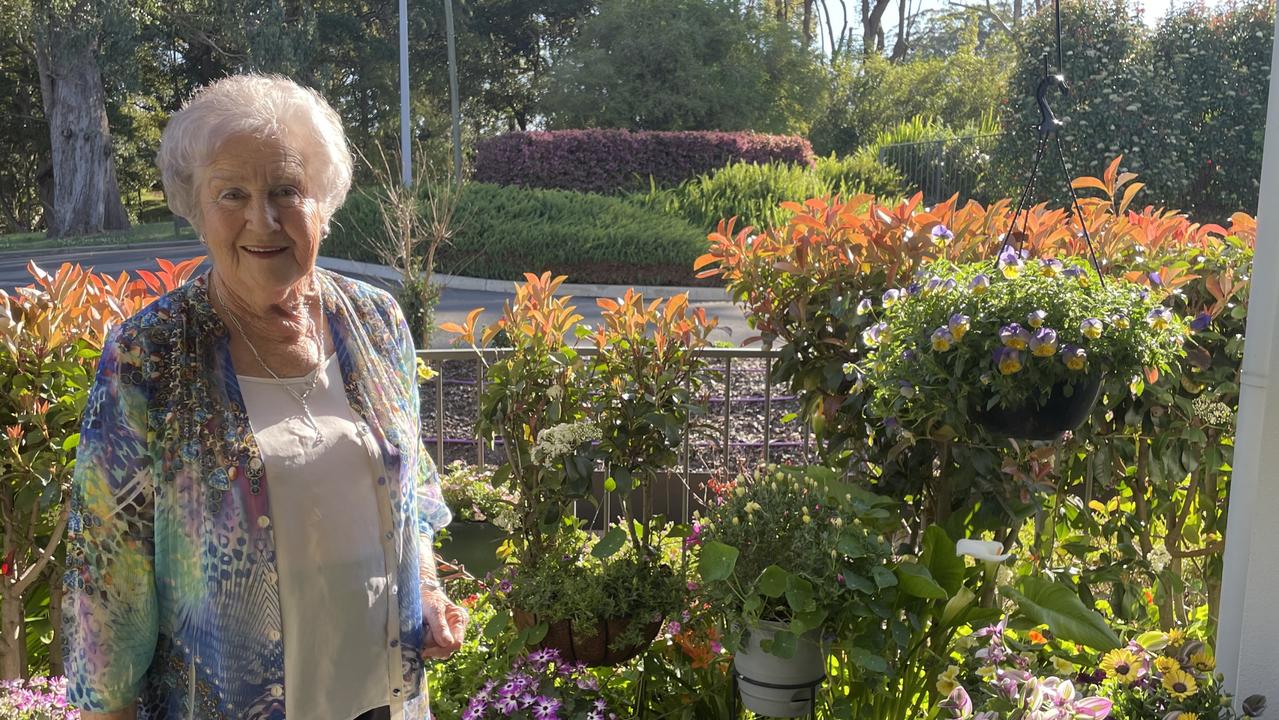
(1037, 637)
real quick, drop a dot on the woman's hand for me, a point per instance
(445, 625)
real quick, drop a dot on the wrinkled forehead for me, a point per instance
(243, 157)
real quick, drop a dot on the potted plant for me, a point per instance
(1013, 347)
(484, 517)
(793, 558)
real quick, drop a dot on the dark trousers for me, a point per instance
(382, 713)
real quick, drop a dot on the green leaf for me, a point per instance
(955, 607)
(772, 582)
(608, 545)
(799, 594)
(1057, 606)
(496, 625)
(884, 578)
(805, 621)
(717, 561)
(917, 581)
(71, 442)
(853, 581)
(868, 660)
(782, 645)
(939, 557)
(536, 634)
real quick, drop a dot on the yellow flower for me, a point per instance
(1062, 665)
(1203, 661)
(1187, 716)
(949, 680)
(1180, 684)
(987, 672)
(1165, 664)
(1121, 664)
(1176, 638)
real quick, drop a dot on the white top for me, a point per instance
(335, 583)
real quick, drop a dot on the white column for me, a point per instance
(1248, 636)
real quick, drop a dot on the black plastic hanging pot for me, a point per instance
(1067, 407)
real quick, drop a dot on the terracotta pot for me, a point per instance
(1066, 409)
(594, 649)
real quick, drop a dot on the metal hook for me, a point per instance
(1048, 122)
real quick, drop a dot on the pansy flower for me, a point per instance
(1159, 318)
(875, 334)
(1036, 318)
(1051, 267)
(1044, 342)
(891, 297)
(958, 326)
(934, 284)
(906, 390)
(1075, 357)
(942, 339)
(1014, 336)
(1007, 360)
(913, 289)
(1010, 263)
(1119, 321)
(942, 235)
(1091, 328)
(1201, 322)
(979, 284)
(865, 306)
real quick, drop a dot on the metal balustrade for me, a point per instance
(732, 395)
(941, 168)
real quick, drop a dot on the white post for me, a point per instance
(1248, 633)
(406, 153)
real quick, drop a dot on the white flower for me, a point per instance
(987, 550)
(555, 442)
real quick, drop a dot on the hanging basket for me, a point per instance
(1066, 408)
(593, 648)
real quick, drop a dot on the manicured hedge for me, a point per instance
(612, 161)
(503, 232)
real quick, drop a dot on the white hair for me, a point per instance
(264, 106)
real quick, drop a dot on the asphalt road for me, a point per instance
(454, 304)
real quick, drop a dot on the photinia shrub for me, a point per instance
(611, 161)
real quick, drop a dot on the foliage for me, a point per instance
(1219, 64)
(540, 686)
(50, 335)
(685, 65)
(612, 161)
(753, 193)
(470, 494)
(40, 698)
(799, 547)
(962, 340)
(936, 159)
(873, 94)
(1120, 103)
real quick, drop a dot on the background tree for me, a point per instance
(24, 140)
(686, 65)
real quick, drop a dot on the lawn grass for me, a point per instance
(153, 232)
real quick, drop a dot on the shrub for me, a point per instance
(1118, 104)
(1220, 65)
(754, 193)
(503, 232)
(611, 161)
(936, 159)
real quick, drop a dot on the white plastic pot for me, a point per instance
(798, 677)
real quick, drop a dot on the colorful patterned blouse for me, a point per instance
(172, 592)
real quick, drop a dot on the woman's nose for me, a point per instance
(262, 215)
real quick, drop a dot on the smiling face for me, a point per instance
(262, 222)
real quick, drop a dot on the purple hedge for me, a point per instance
(607, 161)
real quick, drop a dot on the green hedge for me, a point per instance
(503, 232)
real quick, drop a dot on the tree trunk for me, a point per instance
(13, 638)
(86, 197)
(56, 667)
(873, 25)
(808, 22)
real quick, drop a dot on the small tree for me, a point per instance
(415, 220)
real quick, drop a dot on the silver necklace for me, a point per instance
(303, 396)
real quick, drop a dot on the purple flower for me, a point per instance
(1073, 272)
(1155, 279)
(958, 703)
(905, 389)
(1093, 708)
(507, 705)
(1008, 361)
(979, 284)
(1052, 267)
(504, 586)
(942, 235)
(1010, 263)
(949, 285)
(539, 659)
(934, 284)
(545, 708)
(912, 289)
(1201, 322)
(890, 297)
(588, 682)
(1159, 318)
(1044, 343)
(1014, 336)
(694, 536)
(891, 423)
(958, 326)
(475, 710)
(908, 355)
(1075, 357)
(1091, 328)
(875, 334)
(942, 339)
(865, 306)
(673, 628)
(1036, 318)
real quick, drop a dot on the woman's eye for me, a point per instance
(231, 195)
(287, 195)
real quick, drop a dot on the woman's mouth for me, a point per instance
(264, 250)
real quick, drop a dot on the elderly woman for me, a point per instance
(253, 507)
